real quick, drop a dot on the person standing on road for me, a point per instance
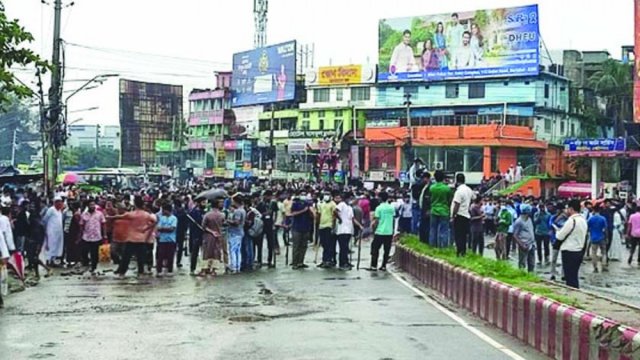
(477, 231)
(167, 229)
(383, 223)
(504, 223)
(633, 233)
(213, 237)
(405, 214)
(490, 218)
(140, 226)
(559, 218)
(236, 234)
(541, 223)
(54, 241)
(598, 235)
(93, 227)
(417, 190)
(326, 222)
(573, 236)
(524, 236)
(440, 195)
(181, 231)
(269, 209)
(344, 229)
(195, 234)
(302, 215)
(460, 214)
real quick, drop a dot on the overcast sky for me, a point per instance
(197, 37)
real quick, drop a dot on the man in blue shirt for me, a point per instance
(167, 226)
(598, 234)
(302, 213)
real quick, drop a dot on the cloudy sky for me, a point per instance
(185, 41)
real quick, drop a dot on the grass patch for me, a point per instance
(499, 270)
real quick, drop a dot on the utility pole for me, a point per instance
(13, 147)
(260, 9)
(272, 149)
(409, 146)
(95, 160)
(55, 91)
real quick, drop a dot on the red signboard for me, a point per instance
(636, 78)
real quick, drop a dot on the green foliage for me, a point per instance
(498, 270)
(18, 118)
(481, 18)
(12, 39)
(85, 157)
(614, 84)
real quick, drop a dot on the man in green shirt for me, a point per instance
(383, 222)
(441, 196)
(505, 219)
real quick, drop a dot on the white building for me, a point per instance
(87, 135)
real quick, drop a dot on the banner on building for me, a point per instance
(264, 75)
(592, 145)
(340, 75)
(460, 45)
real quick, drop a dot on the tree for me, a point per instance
(12, 39)
(85, 157)
(18, 119)
(614, 85)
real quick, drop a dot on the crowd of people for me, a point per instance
(227, 232)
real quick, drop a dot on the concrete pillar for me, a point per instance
(398, 161)
(465, 160)
(595, 177)
(486, 162)
(637, 177)
(366, 159)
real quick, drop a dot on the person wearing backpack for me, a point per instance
(256, 233)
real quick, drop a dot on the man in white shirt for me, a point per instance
(460, 215)
(403, 58)
(463, 57)
(6, 230)
(572, 236)
(519, 172)
(344, 229)
(454, 33)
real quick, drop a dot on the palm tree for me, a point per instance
(614, 85)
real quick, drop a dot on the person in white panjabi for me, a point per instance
(403, 58)
(54, 239)
(519, 171)
(615, 251)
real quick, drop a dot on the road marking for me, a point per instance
(484, 337)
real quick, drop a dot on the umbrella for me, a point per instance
(70, 178)
(213, 194)
(16, 262)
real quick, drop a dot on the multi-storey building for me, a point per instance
(209, 123)
(87, 136)
(480, 127)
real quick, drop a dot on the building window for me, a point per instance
(321, 124)
(452, 91)
(546, 91)
(562, 88)
(413, 90)
(547, 125)
(562, 128)
(305, 125)
(321, 95)
(339, 94)
(321, 113)
(573, 129)
(305, 115)
(476, 91)
(360, 94)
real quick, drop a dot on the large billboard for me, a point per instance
(149, 114)
(264, 75)
(459, 45)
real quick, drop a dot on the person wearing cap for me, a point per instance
(54, 240)
(524, 236)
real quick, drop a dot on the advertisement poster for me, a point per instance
(265, 75)
(606, 145)
(460, 45)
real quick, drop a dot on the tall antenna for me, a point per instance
(260, 8)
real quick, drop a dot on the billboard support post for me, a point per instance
(272, 150)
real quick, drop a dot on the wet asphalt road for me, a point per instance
(268, 314)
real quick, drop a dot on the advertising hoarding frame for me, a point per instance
(453, 45)
(265, 75)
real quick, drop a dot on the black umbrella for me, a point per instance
(213, 194)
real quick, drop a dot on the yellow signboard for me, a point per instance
(340, 75)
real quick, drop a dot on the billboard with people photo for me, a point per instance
(458, 45)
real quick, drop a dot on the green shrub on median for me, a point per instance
(499, 270)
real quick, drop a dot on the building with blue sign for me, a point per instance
(477, 126)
